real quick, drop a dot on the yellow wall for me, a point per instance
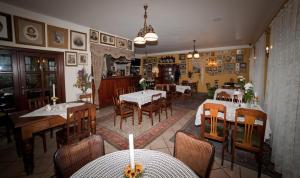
(222, 77)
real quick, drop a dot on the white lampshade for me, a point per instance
(189, 56)
(139, 40)
(151, 36)
(196, 55)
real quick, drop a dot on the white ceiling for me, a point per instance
(212, 23)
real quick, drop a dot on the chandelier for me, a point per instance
(146, 34)
(193, 54)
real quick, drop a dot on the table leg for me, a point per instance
(140, 115)
(28, 155)
(18, 139)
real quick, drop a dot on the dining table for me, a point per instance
(44, 118)
(182, 88)
(141, 98)
(230, 113)
(155, 164)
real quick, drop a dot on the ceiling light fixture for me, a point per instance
(193, 54)
(146, 34)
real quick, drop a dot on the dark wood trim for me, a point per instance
(9, 27)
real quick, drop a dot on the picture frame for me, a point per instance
(94, 36)
(82, 58)
(107, 39)
(57, 37)
(129, 45)
(5, 27)
(243, 67)
(29, 32)
(71, 58)
(121, 43)
(78, 40)
(239, 58)
(229, 68)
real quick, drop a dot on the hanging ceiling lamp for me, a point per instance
(146, 34)
(193, 54)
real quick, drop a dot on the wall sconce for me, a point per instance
(267, 50)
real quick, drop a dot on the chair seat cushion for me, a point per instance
(240, 136)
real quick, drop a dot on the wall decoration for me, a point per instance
(29, 32)
(121, 43)
(78, 40)
(182, 57)
(82, 59)
(150, 60)
(71, 58)
(239, 58)
(229, 67)
(129, 45)
(196, 69)
(107, 39)
(237, 67)
(57, 37)
(5, 27)
(220, 69)
(94, 36)
(243, 67)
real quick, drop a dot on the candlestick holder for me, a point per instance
(54, 98)
(136, 173)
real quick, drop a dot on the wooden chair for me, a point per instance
(214, 127)
(153, 107)
(36, 103)
(223, 96)
(195, 153)
(185, 83)
(172, 90)
(159, 87)
(187, 93)
(166, 103)
(87, 97)
(131, 89)
(247, 135)
(79, 124)
(123, 110)
(70, 158)
(120, 91)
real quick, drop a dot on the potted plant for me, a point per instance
(143, 83)
(249, 93)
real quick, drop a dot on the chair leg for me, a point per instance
(158, 116)
(232, 155)
(133, 119)
(151, 117)
(114, 119)
(171, 109)
(51, 133)
(259, 159)
(223, 149)
(44, 142)
(121, 119)
(166, 109)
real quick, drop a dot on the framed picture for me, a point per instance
(94, 36)
(121, 43)
(107, 39)
(239, 58)
(229, 67)
(5, 27)
(82, 59)
(237, 67)
(78, 40)
(243, 67)
(57, 37)
(71, 58)
(29, 32)
(129, 45)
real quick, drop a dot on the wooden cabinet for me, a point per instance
(166, 73)
(108, 87)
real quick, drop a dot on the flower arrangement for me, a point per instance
(83, 80)
(241, 81)
(249, 93)
(143, 83)
(133, 173)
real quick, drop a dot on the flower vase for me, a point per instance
(249, 103)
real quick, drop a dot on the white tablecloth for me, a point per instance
(156, 164)
(59, 109)
(141, 97)
(229, 91)
(230, 114)
(182, 88)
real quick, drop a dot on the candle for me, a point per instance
(53, 86)
(131, 152)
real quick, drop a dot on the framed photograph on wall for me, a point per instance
(243, 67)
(82, 59)
(57, 37)
(5, 27)
(229, 68)
(71, 58)
(129, 45)
(121, 43)
(78, 40)
(29, 32)
(94, 36)
(239, 58)
(107, 39)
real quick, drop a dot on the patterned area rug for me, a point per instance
(242, 158)
(143, 133)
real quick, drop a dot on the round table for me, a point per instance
(155, 164)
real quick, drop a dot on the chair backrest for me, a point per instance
(195, 153)
(184, 82)
(79, 118)
(159, 87)
(250, 127)
(223, 96)
(172, 88)
(35, 103)
(87, 97)
(120, 91)
(70, 158)
(213, 118)
(130, 89)
(155, 98)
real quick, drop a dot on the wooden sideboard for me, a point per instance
(108, 87)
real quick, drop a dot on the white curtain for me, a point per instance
(283, 90)
(257, 69)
